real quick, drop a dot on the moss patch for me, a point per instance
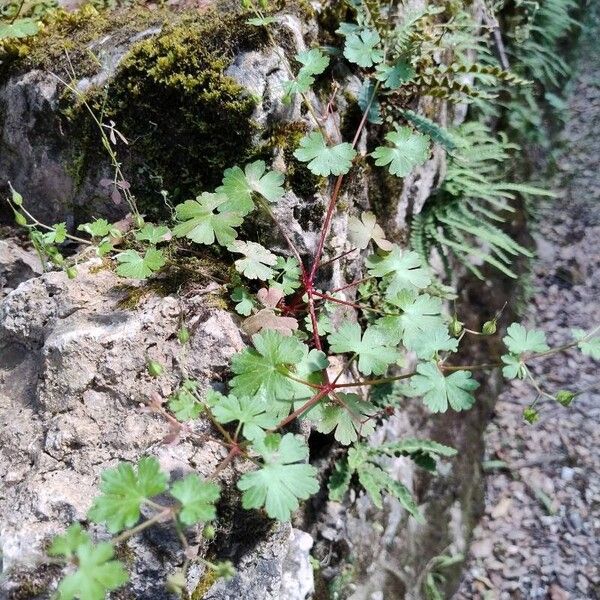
(286, 138)
(67, 37)
(186, 121)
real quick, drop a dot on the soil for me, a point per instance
(539, 536)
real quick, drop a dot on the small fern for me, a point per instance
(436, 132)
(536, 40)
(465, 216)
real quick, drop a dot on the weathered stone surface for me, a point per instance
(73, 375)
(73, 383)
(16, 265)
(278, 569)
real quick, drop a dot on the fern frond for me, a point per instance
(464, 216)
(493, 71)
(436, 132)
(437, 84)
(406, 33)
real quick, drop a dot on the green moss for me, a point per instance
(67, 37)
(181, 273)
(205, 583)
(286, 138)
(186, 121)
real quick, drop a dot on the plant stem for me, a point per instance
(305, 407)
(379, 381)
(233, 452)
(336, 192)
(157, 518)
(480, 367)
(315, 386)
(18, 12)
(48, 228)
(286, 237)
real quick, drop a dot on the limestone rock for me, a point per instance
(73, 383)
(16, 265)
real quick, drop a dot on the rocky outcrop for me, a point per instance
(75, 386)
(74, 398)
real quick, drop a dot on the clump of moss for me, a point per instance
(186, 120)
(206, 582)
(181, 274)
(67, 37)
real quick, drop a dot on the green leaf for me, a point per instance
(282, 480)
(201, 224)
(57, 235)
(366, 95)
(288, 278)
(518, 340)
(264, 367)
(436, 132)
(314, 62)
(239, 186)
(104, 247)
(421, 315)
(257, 262)
(184, 405)
(405, 271)
(67, 544)
(421, 326)
(438, 391)
(339, 480)
(251, 413)
(513, 367)
(96, 574)
(124, 490)
(362, 231)
(437, 340)
(375, 481)
(393, 76)
(363, 48)
(245, 301)
(152, 234)
(324, 160)
(99, 229)
(590, 346)
(409, 446)
(135, 266)
(300, 85)
(261, 21)
(408, 151)
(349, 421)
(310, 368)
(21, 28)
(197, 497)
(375, 350)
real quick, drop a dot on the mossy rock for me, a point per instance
(66, 37)
(186, 120)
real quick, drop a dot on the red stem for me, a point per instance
(337, 300)
(305, 407)
(334, 196)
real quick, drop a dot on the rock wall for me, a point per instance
(75, 392)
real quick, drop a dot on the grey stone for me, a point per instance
(16, 265)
